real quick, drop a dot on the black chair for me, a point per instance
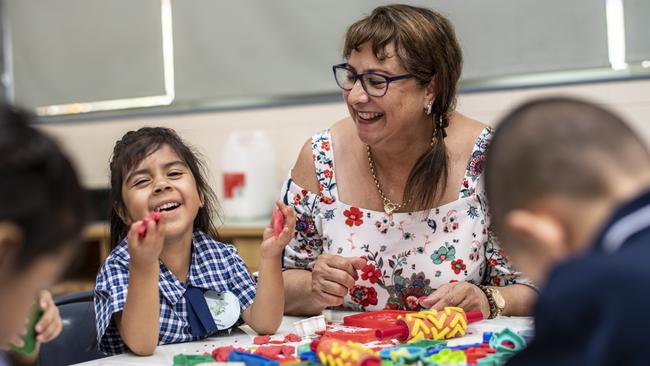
(76, 343)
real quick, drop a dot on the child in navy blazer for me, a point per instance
(569, 190)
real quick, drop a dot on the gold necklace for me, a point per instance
(389, 206)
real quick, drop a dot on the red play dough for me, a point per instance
(261, 339)
(142, 230)
(278, 222)
(292, 337)
(220, 354)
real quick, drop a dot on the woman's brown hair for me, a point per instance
(134, 147)
(426, 46)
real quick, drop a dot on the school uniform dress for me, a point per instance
(595, 309)
(214, 266)
(410, 254)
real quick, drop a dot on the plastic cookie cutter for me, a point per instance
(431, 324)
(501, 341)
(476, 353)
(447, 357)
(310, 326)
(402, 355)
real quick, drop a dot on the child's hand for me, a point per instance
(272, 246)
(49, 326)
(146, 239)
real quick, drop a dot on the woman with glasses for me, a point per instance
(390, 202)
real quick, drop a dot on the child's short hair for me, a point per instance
(134, 147)
(558, 146)
(39, 189)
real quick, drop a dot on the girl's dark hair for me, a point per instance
(134, 147)
(39, 189)
(426, 46)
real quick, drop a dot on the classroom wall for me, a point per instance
(90, 143)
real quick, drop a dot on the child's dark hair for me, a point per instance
(558, 146)
(39, 189)
(134, 147)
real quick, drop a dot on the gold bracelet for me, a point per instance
(495, 300)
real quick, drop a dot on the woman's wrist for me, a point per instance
(495, 300)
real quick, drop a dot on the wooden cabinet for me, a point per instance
(245, 236)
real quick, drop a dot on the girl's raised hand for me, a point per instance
(146, 239)
(272, 244)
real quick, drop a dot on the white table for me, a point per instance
(243, 337)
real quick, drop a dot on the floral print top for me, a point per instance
(409, 254)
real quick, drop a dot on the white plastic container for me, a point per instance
(248, 173)
(309, 326)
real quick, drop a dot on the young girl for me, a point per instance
(157, 285)
(42, 214)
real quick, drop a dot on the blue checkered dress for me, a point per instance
(215, 266)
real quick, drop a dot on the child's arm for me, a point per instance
(265, 314)
(139, 322)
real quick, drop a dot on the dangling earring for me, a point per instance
(428, 108)
(440, 132)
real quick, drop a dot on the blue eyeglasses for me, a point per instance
(373, 84)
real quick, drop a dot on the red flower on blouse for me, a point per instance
(327, 200)
(328, 174)
(371, 273)
(354, 217)
(364, 296)
(458, 266)
(325, 145)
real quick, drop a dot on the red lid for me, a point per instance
(473, 316)
(400, 332)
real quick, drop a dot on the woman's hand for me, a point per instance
(464, 295)
(273, 246)
(332, 278)
(50, 325)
